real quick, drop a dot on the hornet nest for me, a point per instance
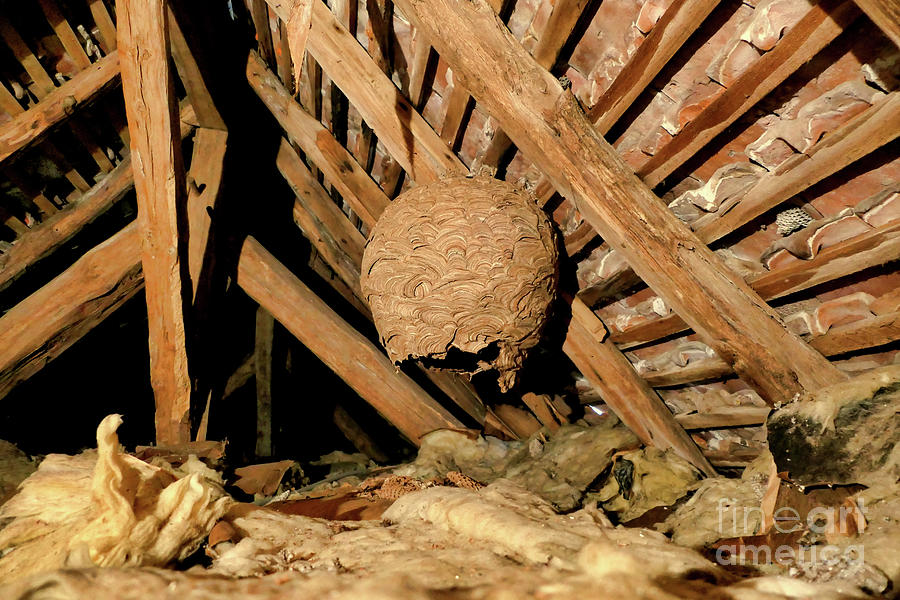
(460, 275)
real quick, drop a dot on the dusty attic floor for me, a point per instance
(471, 517)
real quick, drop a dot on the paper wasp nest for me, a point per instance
(460, 274)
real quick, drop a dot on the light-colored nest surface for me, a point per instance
(464, 263)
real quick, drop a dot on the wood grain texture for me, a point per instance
(159, 181)
(885, 14)
(347, 352)
(824, 22)
(548, 126)
(58, 105)
(48, 322)
(64, 32)
(337, 164)
(669, 34)
(629, 396)
(402, 130)
(858, 137)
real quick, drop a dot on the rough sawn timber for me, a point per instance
(549, 127)
(159, 182)
(346, 351)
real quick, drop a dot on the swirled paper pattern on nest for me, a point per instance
(466, 264)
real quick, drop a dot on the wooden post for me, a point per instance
(346, 351)
(549, 127)
(262, 360)
(159, 182)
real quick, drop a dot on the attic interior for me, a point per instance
(441, 299)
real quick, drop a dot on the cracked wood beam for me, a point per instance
(547, 124)
(405, 134)
(56, 106)
(885, 14)
(875, 247)
(343, 349)
(44, 325)
(159, 181)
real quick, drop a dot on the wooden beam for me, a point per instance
(733, 416)
(402, 130)
(824, 22)
(66, 35)
(337, 164)
(668, 35)
(57, 105)
(548, 126)
(633, 401)
(105, 26)
(62, 226)
(885, 14)
(204, 186)
(262, 361)
(858, 137)
(190, 74)
(259, 13)
(347, 352)
(875, 247)
(152, 112)
(41, 327)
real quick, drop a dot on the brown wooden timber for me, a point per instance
(347, 352)
(875, 247)
(668, 35)
(41, 327)
(885, 14)
(259, 13)
(733, 416)
(548, 126)
(62, 226)
(633, 401)
(337, 164)
(66, 35)
(824, 22)
(159, 181)
(404, 133)
(57, 105)
(262, 361)
(105, 26)
(191, 76)
(861, 135)
(204, 186)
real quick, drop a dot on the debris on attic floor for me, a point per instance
(643, 252)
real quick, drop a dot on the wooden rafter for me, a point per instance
(885, 14)
(41, 327)
(347, 352)
(57, 105)
(190, 74)
(824, 22)
(159, 181)
(549, 127)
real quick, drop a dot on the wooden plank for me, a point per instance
(875, 247)
(58, 105)
(404, 133)
(633, 401)
(152, 111)
(347, 352)
(66, 35)
(864, 334)
(259, 13)
(456, 106)
(262, 361)
(885, 14)
(204, 186)
(55, 156)
(41, 327)
(861, 135)
(40, 201)
(338, 165)
(733, 416)
(824, 22)
(105, 26)
(422, 55)
(43, 84)
(62, 226)
(549, 127)
(190, 74)
(668, 35)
